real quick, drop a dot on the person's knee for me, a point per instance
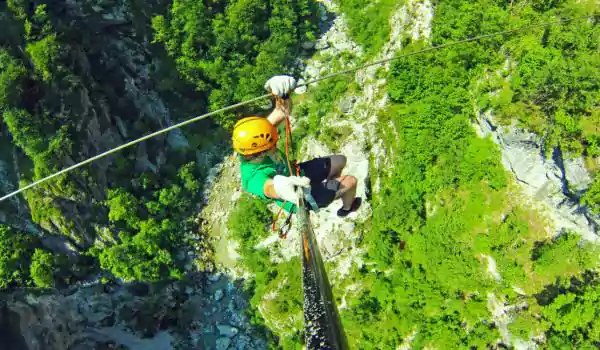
(350, 181)
(354, 181)
(341, 160)
(338, 163)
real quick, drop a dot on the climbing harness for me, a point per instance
(287, 225)
(256, 99)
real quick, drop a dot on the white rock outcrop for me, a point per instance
(545, 180)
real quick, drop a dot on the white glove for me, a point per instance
(285, 187)
(280, 85)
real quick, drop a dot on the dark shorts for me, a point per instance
(322, 190)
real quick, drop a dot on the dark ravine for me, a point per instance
(204, 311)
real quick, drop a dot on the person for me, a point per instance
(265, 171)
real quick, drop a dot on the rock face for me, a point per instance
(116, 97)
(179, 315)
(14, 212)
(554, 184)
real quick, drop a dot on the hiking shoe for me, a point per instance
(354, 207)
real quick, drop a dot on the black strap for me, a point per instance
(287, 226)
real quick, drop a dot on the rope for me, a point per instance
(443, 46)
(134, 142)
(285, 228)
(247, 102)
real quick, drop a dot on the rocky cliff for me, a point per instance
(203, 312)
(554, 185)
(117, 90)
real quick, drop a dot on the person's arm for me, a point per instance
(282, 108)
(284, 187)
(269, 190)
(280, 86)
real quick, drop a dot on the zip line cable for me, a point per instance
(247, 102)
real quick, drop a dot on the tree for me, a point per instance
(122, 206)
(592, 196)
(228, 51)
(573, 318)
(12, 73)
(42, 269)
(16, 250)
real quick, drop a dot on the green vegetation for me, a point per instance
(42, 269)
(230, 50)
(43, 54)
(148, 227)
(574, 317)
(11, 73)
(368, 21)
(314, 106)
(73, 86)
(592, 196)
(249, 224)
(447, 212)
(552, 82)
(448, 240)
(16, 250)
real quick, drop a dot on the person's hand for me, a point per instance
(280, 85)
(285, 187)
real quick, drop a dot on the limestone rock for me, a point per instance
(156, 318)
(215, 277)
(552, 185)
(227, 330)
(578, 177)
(223, 343)
(347, 104)
(219, 295)
(307, 45)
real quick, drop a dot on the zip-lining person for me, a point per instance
(265, 171)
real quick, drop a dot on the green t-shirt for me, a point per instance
(254, 176)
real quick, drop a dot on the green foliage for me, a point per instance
(574, 318)
(368, 21)
(281, 311)
(229, 51)
(16, 250)
(574, 256)
(122, 206)
(445, 207)
(11, 74)
(18, 7)
(43, 54)
(42, 269)
(145, 256)
(248, 222)
(189, 178)
(26, 130)
(149, 226)
(444, 210)
(592, 196)
(553, 87)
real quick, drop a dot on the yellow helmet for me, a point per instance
(253, 135)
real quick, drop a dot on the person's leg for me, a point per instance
(338, 162)
(347, 190)
(324, 168)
